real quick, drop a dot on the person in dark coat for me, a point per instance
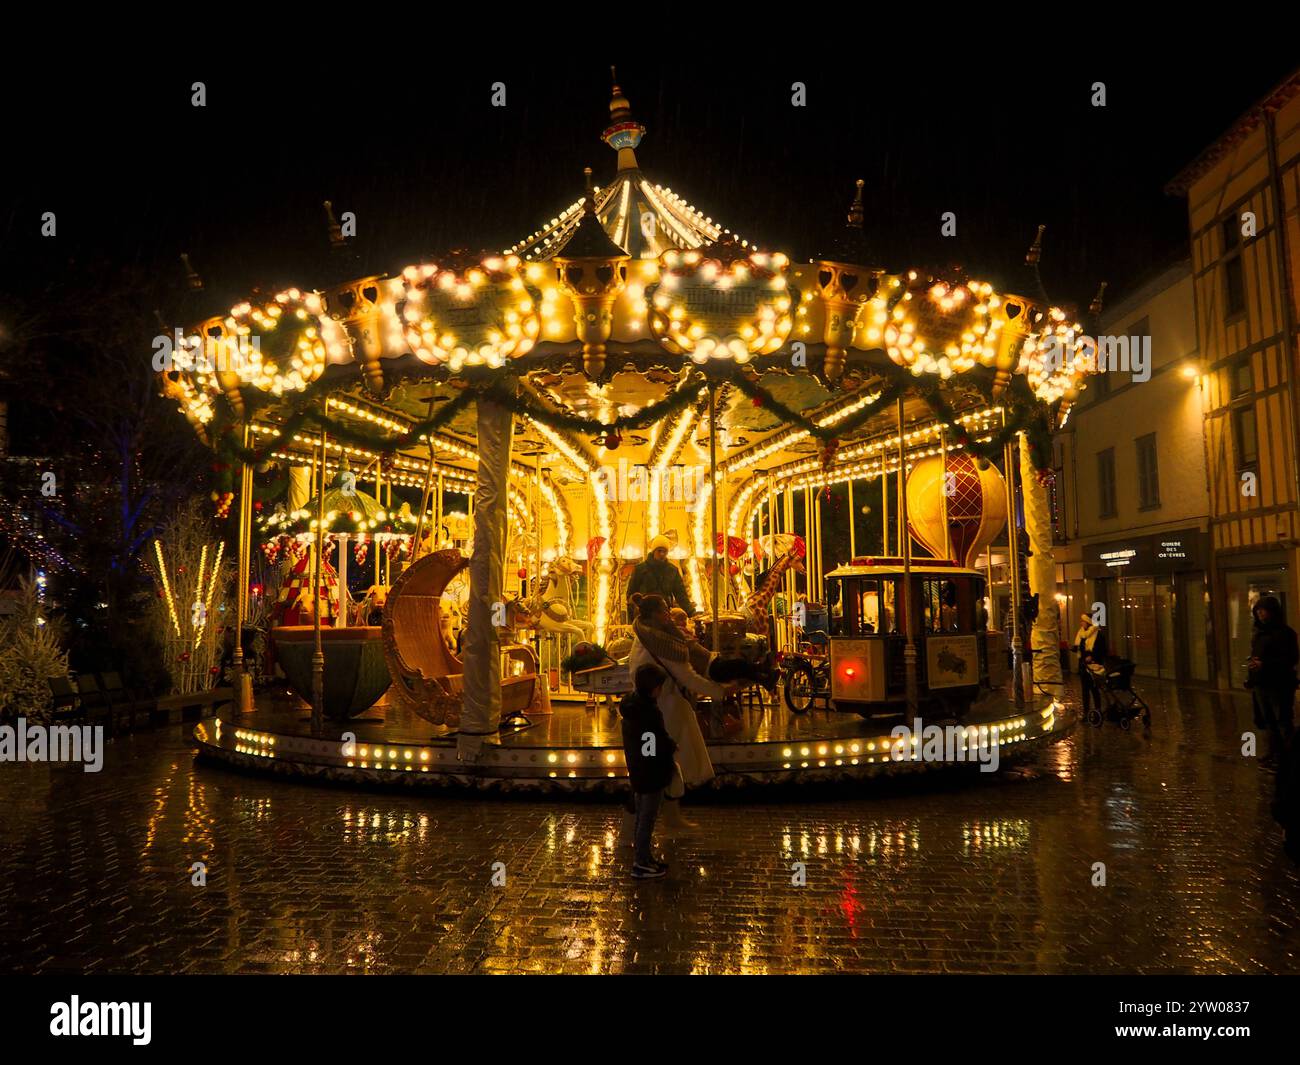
(1271, 675)
(648, 751)
(657, 576)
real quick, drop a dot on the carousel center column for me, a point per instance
(1045, 635)
(481, 715)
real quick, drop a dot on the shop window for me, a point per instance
(1244, 429)
(1234, 281)
(1148, 472)
(1246, 437)
(1243, 379)
(1106, 483)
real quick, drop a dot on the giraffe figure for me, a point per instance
(756, 605)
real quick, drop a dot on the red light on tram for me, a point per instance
(850, 672)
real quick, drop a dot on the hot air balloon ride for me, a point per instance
(955, 510)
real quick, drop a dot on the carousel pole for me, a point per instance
(943, 498)
(787, 578)
(809, 563)
(909, 651)
(424, 492)
(387, 566)
(713, 510)
(884, 504)
(817, 534)
(374, 543)
(1013, 571)
(437, 513)
(318, 655)
(853, 525)
(243, 683)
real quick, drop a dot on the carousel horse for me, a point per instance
(546, 612)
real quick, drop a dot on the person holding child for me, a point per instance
(660, 643)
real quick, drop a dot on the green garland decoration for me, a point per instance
(825, 433)
(1024, 414)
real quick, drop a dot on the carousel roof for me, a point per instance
(643, 218)
(614, 307)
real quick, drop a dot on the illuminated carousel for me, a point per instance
(471, 456)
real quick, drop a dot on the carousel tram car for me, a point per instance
(958, 659)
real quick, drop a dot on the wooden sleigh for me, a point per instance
(428, 677)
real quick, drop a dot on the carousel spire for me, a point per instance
(192, 279)
(593, 271)
(187, 306)
(1098, 301)
(849, 245)
(846, 280)
(855, 211)
(1032, 286)
(623, 133)
(342, 253)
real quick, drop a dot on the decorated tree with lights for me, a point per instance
(193, 606)
(31, 653)
(92, 414)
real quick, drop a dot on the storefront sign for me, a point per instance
(1145, 556)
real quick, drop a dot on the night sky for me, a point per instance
(137, 175)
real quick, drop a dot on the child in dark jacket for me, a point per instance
(648, 751)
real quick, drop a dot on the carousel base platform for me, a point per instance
(576, 749)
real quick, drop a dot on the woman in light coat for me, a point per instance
(1090, 644)
(659, 642)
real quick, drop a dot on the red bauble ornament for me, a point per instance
(523, 573)
(184, 656)
(257, 506)
(215, 670)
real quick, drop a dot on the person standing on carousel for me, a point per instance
(657, 576)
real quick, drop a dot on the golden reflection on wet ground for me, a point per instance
(994, 874)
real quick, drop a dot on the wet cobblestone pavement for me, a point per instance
(989, 875)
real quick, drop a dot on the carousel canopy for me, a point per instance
(605, 332)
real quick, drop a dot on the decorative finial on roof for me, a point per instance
(588, 240)
(849, 245)
(192, 278)
(337, 239)
(855, 212)
(1035, 252)
(1031, 282)
(623, 133)
(1098, 301)
(619, 108)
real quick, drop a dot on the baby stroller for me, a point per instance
(1123, 705)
